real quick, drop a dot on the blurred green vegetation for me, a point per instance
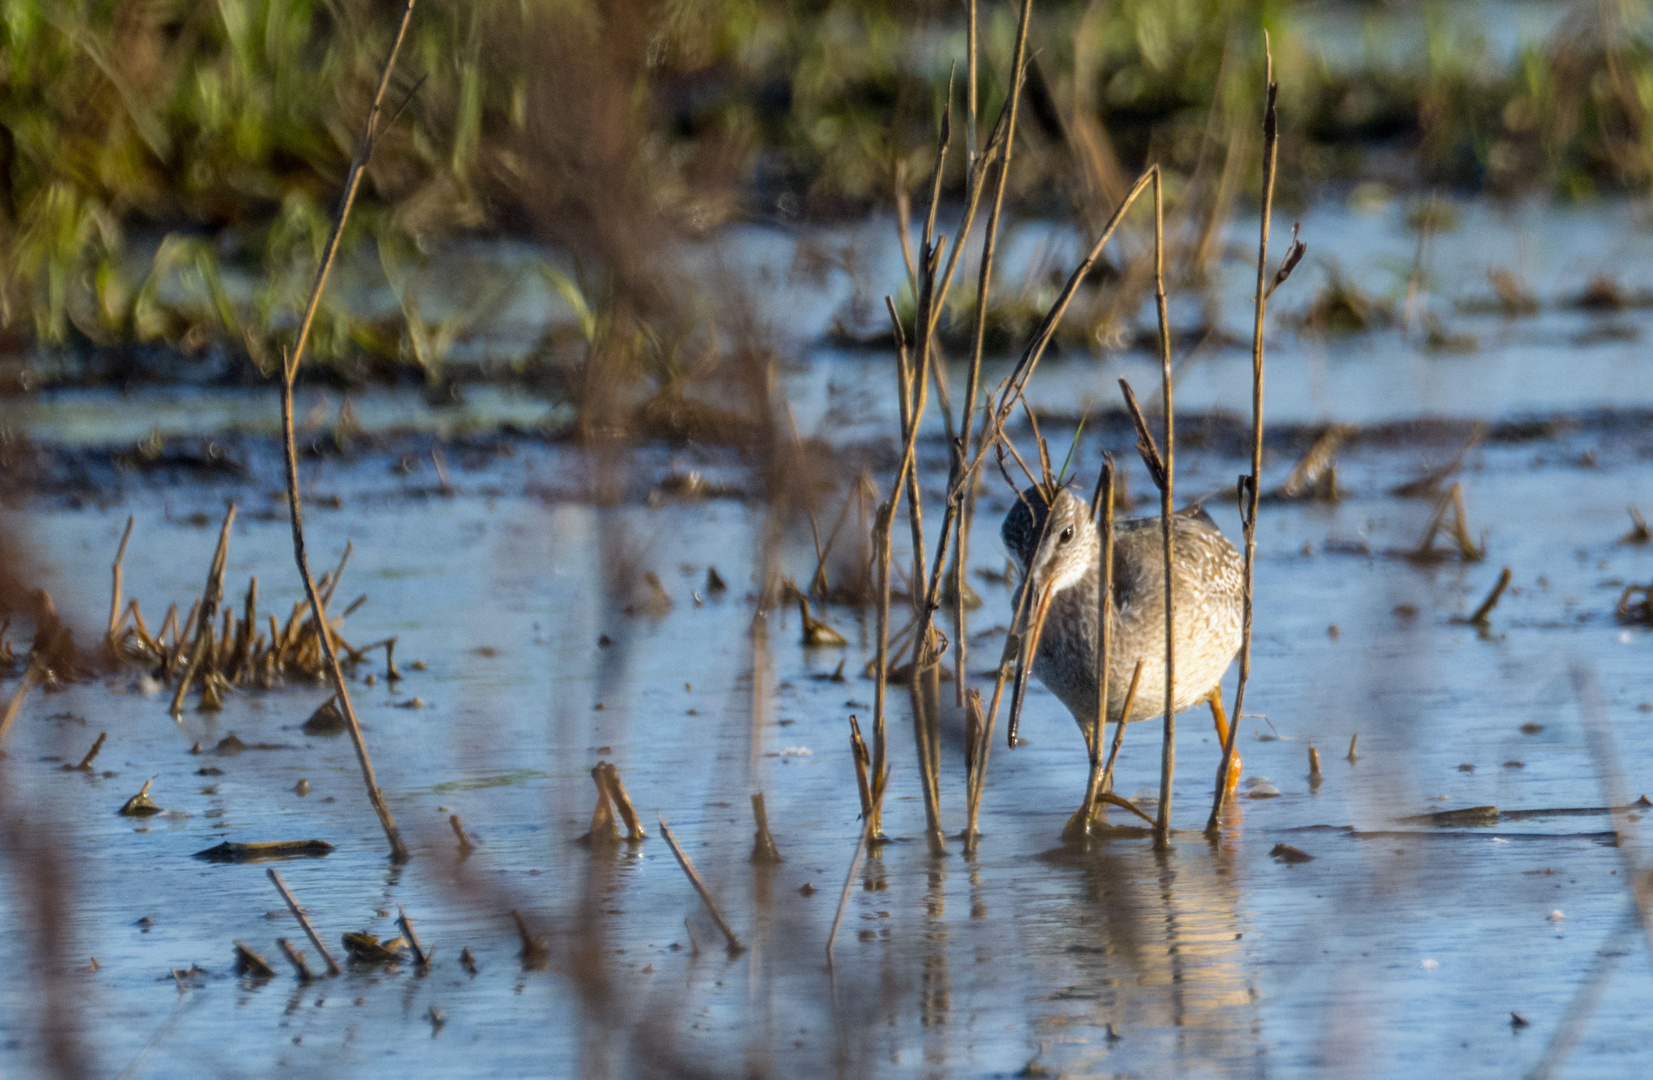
(169, 167)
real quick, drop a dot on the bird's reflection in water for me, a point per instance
(1145, 965)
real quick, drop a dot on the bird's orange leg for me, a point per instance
(1220, 718)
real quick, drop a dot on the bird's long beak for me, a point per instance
(1030, 649)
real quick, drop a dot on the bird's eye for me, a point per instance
(1067, 534)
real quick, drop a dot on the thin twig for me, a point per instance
(292, 361)
(1481, 613)
(295, 958)
(1102, 508)
(115, 594)
(735, 946)
(1251, 486)
(304, 921)
(405, 924)
(1168, 750)
(32, 677)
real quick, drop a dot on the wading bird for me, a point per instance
(1059, 548)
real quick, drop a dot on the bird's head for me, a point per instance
(1057, 545)
(1055, 542)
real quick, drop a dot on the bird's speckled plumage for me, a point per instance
(1207, 591)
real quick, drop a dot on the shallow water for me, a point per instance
(1399, 947)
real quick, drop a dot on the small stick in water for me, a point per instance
(295, 958)
(604, 833)
(534, 953)
(32, 677)
(86, 762)
(248, 962)
(735, 946)
(459, 831)
(304, 921)
(1314, 769)
(141, 805)
(1481, 613)
(1353, 739)
(115, 598)
(622, 803)
(405, 925)
(764, 852)
(863, 765)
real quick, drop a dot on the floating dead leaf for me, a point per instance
(818, 634)
(365, 948)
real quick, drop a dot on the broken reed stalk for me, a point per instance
(764, 851)
(115, 592)
(1168, 749)
(86, 762)
(405, 924)
(458, 827)
(735, 946)
(849, 883)
(700, 887)
(1250, 487)
(295, 958)
(1481, 613)
(304, 921)
(863, 765)
(290, 368)
(1102, 509)
(609, 777)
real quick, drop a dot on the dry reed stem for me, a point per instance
(1001, 144)
(610, 778)
(863, 765)
(735, 946)
(304, 921)
(86, 762)
(295, 958)
(32, 677)
(978, 771)
(1102, 509)
(115, 591)
(458, 827)
(923, 691)
(764, 851)
(201, 618)
(291, 362)
(603, 833)
(1251, 486)
(405, 924)
(1168, 749)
